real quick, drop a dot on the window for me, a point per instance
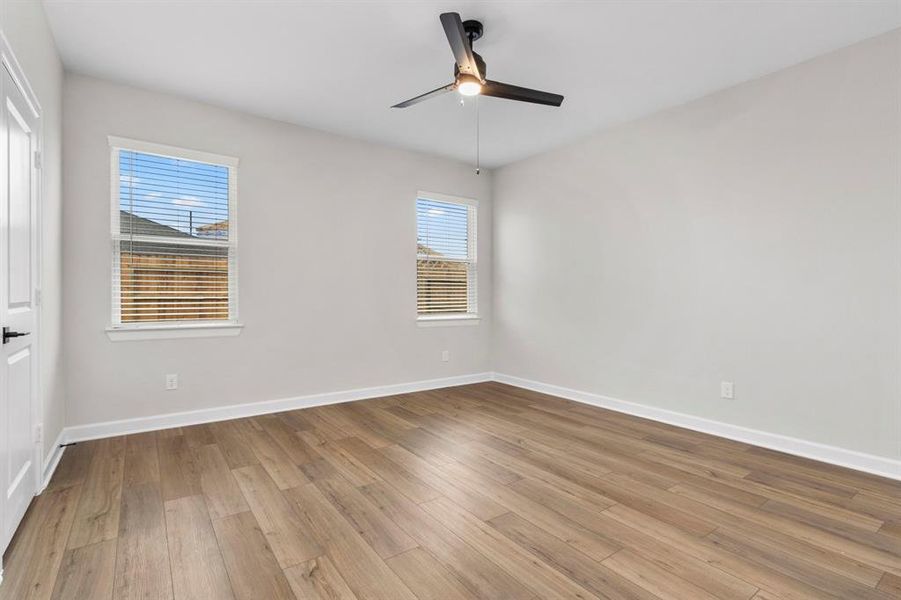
(174, 237)
(445, 258)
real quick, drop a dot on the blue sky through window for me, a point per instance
(190, 197)
(443, 227)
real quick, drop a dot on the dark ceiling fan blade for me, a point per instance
(514, 92)
(426, 96)
(459, 43)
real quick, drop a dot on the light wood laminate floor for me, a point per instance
(480, 491)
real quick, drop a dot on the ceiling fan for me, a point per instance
(469, 70)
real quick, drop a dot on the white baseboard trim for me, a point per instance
(869, 463)
(93, 431)
(52, 461)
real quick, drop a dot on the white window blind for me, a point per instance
(173, 235)
(445, 258)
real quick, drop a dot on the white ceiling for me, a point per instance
(339, 65)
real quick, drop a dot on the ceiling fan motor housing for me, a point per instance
(480, 63)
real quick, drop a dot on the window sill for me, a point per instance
(168, 332)
(448, 321)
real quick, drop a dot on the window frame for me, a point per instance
(472, 315)
(120, 331)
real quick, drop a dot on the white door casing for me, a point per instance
(20, 451)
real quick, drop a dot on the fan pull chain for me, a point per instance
(478, 144)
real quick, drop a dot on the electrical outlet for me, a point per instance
(727, 390)
(445, 355)
(172, 381)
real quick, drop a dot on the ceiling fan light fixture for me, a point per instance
(470, 75)
(469, 86)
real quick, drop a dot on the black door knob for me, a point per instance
(7, 334)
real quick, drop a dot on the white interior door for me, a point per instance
(18, 169)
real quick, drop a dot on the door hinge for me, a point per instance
(37, 159)
(38, 297)
(38, 433)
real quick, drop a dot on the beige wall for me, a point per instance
(326, 261)
(26, 30)
(753, 236)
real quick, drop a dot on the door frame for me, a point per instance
(9, 62)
